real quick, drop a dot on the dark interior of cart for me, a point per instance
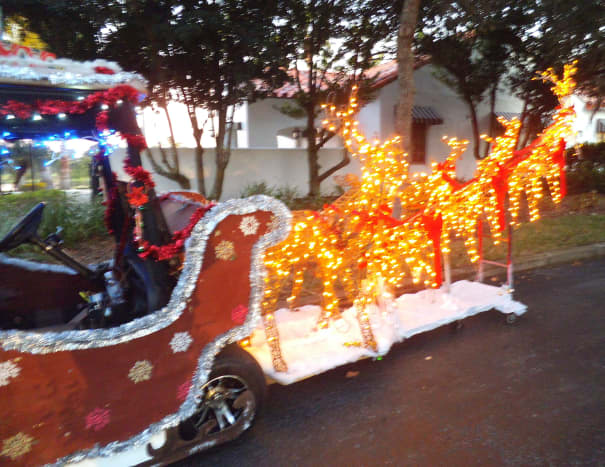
(73, 295)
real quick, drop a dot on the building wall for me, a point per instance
(586, 128)
(456, 117)
(264, 123)
(154, 125)
(278, 168)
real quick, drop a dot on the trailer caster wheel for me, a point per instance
(511, 318)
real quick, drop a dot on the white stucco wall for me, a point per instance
(264, 122)
(155, 126)
(586, 128)
(433, 93)
(275, 167)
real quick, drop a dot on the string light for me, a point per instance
(391, 226)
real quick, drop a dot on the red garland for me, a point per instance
(18, 109)
(54, 107)
(102, 121)
(135, 141)
(433, 224)
(139, 174)
(164, 252)
(103, 70)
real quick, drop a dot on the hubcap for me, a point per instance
(218, 403)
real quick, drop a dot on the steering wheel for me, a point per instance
(24, 230)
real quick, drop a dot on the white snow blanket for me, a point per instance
(308, 350)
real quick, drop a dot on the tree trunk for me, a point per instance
(175, 152)
(492, 116)
(170, 174)
(405, 60)
(475, 127)
(199, 166)
(199, 150)
(523, 118)
(222, 153)
(312, 153)
(346, 158)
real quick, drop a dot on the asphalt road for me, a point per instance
(532, 393)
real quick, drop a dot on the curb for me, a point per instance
(596, 250)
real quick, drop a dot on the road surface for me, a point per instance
(532, 393)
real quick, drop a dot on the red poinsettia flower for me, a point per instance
(103, 70)
(137, 197)
(102, 120)
(238, 314)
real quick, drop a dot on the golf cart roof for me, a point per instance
(23, 65)
(42, 96)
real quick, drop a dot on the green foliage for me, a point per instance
(542, 236)
(71, 28)
(81, 220)
(586, 168)
(470, 43)
(337, 40)
(486, 42)
(211, 55)
(258, 188)
(289, 196)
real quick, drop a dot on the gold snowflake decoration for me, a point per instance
(225, 250)
(140, 371)
(17, 445)
(249, 225)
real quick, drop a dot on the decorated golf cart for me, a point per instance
(95, 360)
(163, 351)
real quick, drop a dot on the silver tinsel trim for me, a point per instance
(67, 78)
(42, 343)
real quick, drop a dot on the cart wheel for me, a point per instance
(511, 318)
(229, 401)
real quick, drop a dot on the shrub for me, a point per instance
(285, 194)
(289, 196)
(259, 188)
(586, 168)
(81, 220)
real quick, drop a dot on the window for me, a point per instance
(422, 117)
(418, 155)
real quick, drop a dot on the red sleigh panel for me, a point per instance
(71, 395)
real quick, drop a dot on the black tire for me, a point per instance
(235, 371)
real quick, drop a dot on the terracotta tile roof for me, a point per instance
(384, 74)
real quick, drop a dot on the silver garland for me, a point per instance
(43, 343)
(56, 77)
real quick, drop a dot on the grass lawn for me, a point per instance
(579, 220)
(544, 235)
(81, 220)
